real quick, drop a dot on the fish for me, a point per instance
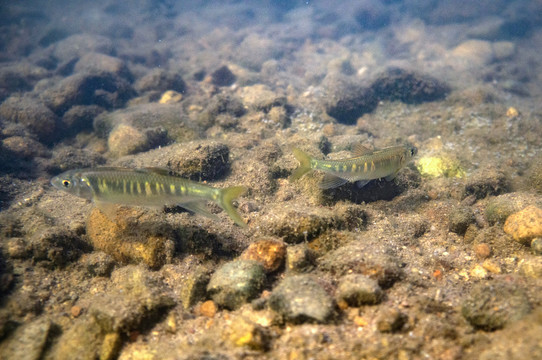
(151, 187)
(366, 165)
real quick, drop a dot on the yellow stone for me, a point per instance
(440, 166)
(170, 97)
(512, 112)
(524, 225)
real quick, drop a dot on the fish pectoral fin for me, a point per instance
(360, 150)
(362, 183)
(198, 207)
(390, 177)
(331, 181)
(108, 209)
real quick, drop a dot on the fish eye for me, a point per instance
(66, 183)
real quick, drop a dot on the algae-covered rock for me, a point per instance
(189, 282)
(300, 258)
(56, 246)
(268, 252)
(459, 219)
(440, 165)
(531, 267)
(243, 332)
(525, 225)
(390, 319)
(346, 101)
(104, 89)
(358, 290)
(361, 258)
(137, 299)
(492, 306)
(132, 237)
(499, 208)
(409, 87)
(300, 298)
(33, 114)
(236, 283)
(488, 181)
(83, 340)
(29, 341)
(160, 80)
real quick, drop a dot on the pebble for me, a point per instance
(459, 219)
(357, 290)
(268, 252)
(482, 250)
(492, 306)
(300, 299)
(208, 308)
(236, 282)
(525, 225)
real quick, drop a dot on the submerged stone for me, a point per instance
(300, 298)
(236, 283)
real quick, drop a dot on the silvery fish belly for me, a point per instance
(366, 165)
(147, 187)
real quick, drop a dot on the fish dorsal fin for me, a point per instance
(331, 181)
(360, 150)
(158, 170)
(198, 207)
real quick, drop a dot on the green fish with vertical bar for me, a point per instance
(366, 165)
(147, 187)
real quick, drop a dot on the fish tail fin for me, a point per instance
(225, 201)
(304, 164)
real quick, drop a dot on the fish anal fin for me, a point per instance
(360, 150)
(390, 177)
(108, 209)
(362, 183)
(198, 207)
(331, 181)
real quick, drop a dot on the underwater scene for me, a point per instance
(271, 179)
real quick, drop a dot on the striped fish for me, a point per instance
(146, 187)
(366, 165)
